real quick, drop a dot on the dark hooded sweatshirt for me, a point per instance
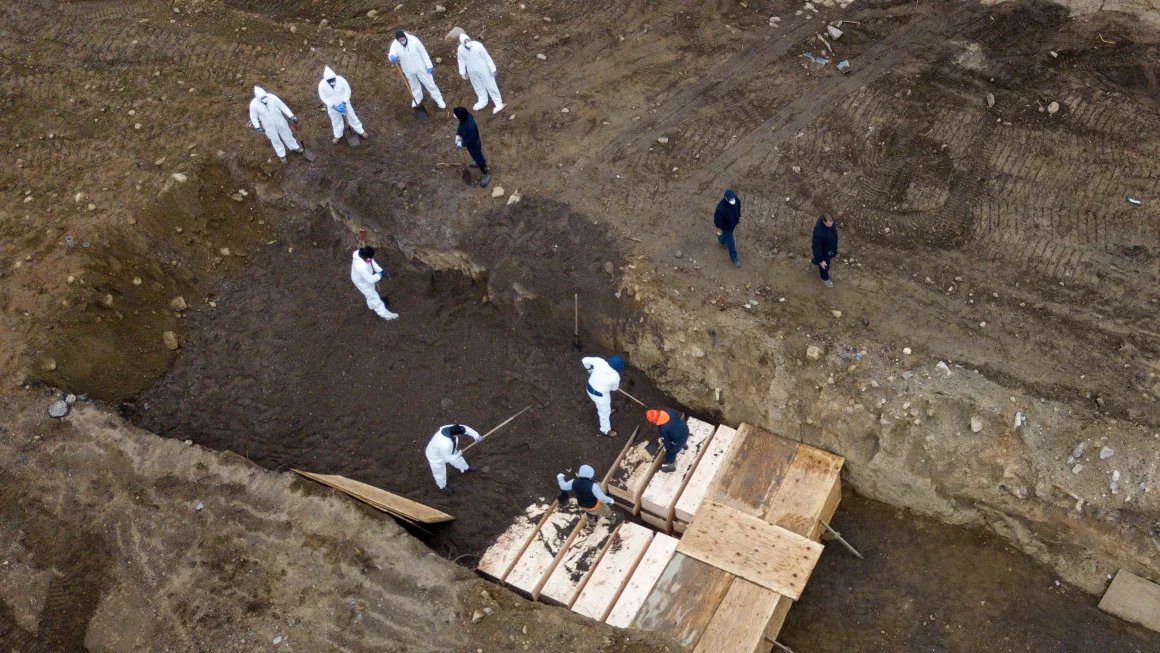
(468, 132)
(825, 242)
(727, 216)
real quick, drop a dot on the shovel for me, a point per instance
(352, 138)
(466, 173)
(652, 448)
(420, 111)
(307, 153)
(576, 346)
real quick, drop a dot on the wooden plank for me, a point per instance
(608, 579)
(683, 600)
(703, 476)
(751, 548)
(628, 480)
(544, 552)
(740, 621)
(773, 628)
(660, 551)
(662, 492)
(631, 440)
(1134, 599)
(751, 474)
(381, 499)
(807, 491)
(582, 556)
(498, 560)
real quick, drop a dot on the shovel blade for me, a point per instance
(352, 139)
(309, 155)
(421, 113)
(652, 447)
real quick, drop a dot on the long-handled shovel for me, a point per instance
(576, 346)
(307, 153)
(642, 404)
(420, 112)
(501, 425)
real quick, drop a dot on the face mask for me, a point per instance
(732, 201)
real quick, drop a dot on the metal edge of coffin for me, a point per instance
(660, 496)
(501, 557)
(625, 550)
(656, 558)
(570, 576)
(543, 553)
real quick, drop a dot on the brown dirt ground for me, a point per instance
(106, 101)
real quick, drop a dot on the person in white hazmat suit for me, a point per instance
(443, 450)
(475, 65)
(408, 52)
(334, 92)
(365, 273)
(268, 115)
(603, 380)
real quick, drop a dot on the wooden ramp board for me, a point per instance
(683, 600)
(809, 492)
(739, 624)
(625, 550)
(1134, 599)
(656, 557)
(702, 477)
(751, 548)
(752, 472)
(543, 552)
(570, 576)
(626, 482)
(498, 560)
(662, 492)
(386, 501)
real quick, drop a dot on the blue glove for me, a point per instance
(260, 130)
(393, 58)
(341, 108)
(430, 71)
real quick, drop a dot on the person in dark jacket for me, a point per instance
(825, 246)
(674, 434)
(726, 218)
(589, 495)
(467, 136)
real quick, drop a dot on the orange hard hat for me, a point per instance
(657, 417)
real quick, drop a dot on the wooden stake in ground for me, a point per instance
(842, 540)
(501, 425)
(643, 405)
(576, 346)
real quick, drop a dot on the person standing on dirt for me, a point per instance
(408, 53)
(334, 92)
(825, 246)
(726, 218)
(475, 65)
(603, 380)
(467, 136)
(443, 450)
(589, 495)
(269, 115)
(673, 432)
(365, 273)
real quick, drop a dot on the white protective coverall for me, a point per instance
(604, 380)
(365, 275)
(443, 450)
(334, 97)
(475, 64)
(269, 113)
(415, 62)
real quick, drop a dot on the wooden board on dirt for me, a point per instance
(751, 474)
(608, 579)
(751, 548)
(703, 476)
(582, 556)
(741, 620)
(809, 493)
(498, 560)
(656, 557)
(544, 552)
(378, 498)
(683, 600)
(1134, 599)
(661, 494)
(630, 476)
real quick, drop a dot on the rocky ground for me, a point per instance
(994, 308)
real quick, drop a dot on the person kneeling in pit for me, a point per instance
(591, 499)
(673, 432)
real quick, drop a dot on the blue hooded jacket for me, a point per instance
(727, 216)
(825, 242)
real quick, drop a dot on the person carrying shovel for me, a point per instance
(443, 450)
(467, 137)
(673, 432)
(603, 380)
(589, 496)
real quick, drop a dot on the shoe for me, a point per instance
(300, 150)
(479, 105)
(612, 434)
(472, 468)
(282, 159)
(485, 181)
(442, 106)
(668, 468)
(391, 316)
(498, 108)
(736, 262)
(414, 104)
(447, 490)
(473, 164)
(336, 139)
(362, 135)
(829, 283)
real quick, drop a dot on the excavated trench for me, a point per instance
(290, 369)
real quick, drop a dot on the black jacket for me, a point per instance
(674, 433)
(468, 132)
(727, 216)
(825, 242)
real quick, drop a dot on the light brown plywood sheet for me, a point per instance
(745, 546)
(812, 485)
(582, 556)
(739, 625)
(753, 471)
(703, 476)
(661, 494)
(1134, 599)
(608, 579)
(543, 552)
(660, 551)
(386, 501)
(683, 600)
(498, 560)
